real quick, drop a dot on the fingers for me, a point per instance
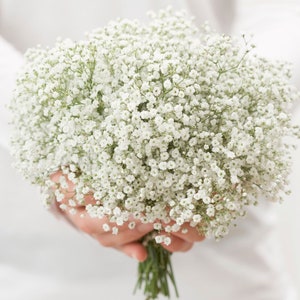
(69, 191)
(124, 236)
(55, 177)
(81, 220)
(135, 250)
(192, 235)
(94, 226)
(178, 245)
(183, 240)
(126, 240)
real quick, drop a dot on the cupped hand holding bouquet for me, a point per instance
(128, 239)
(158, 124)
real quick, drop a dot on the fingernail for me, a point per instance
(134, 256)
(139, 258)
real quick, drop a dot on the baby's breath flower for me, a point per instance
(167, 240)
(115, 230)
(161, 121)
(159, 239)
(106, 227)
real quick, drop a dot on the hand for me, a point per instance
(127, 240)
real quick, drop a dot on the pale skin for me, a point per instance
(127, 240)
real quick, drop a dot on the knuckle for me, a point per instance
(187, 247)
(83, 226)
(55, 176)
(200, 238)
(105, 243)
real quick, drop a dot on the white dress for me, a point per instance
(42, 258)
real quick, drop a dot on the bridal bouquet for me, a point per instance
(162, 122)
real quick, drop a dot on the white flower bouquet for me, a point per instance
(164, 122)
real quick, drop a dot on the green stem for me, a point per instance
(156, 271)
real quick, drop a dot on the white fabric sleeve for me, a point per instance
(275, 25)
(10, 62)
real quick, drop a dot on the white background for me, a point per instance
(26, 23)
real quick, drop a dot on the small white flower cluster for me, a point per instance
(161, 121)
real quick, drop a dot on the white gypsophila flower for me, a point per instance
(159, 239)
(162, 121)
